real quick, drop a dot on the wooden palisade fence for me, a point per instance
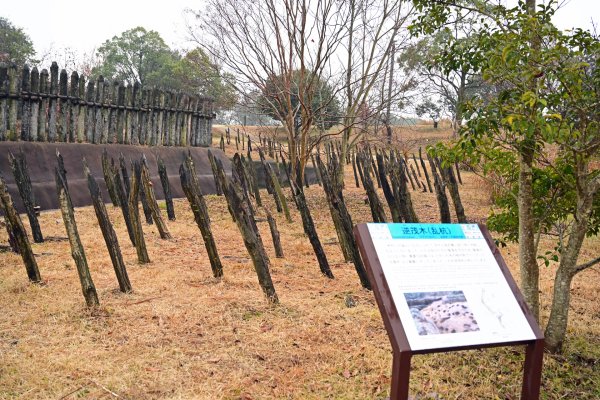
(53, 107)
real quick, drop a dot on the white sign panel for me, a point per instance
(447, 286)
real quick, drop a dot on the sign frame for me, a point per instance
(402, 352)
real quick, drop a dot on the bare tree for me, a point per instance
(286, 49)
(280, 43)
(374, 29)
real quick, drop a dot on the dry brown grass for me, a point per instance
(184, 335)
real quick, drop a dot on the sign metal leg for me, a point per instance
(400, 375)
(532, 371)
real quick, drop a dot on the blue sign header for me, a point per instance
(426, 231)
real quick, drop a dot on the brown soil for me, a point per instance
(183, 335)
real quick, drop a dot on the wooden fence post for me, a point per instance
(213, 167)
(90, 113)
(416, 164)
(99, 119)
(377, 211)
(425, 171)
(134, 214)
(253, 179)
(414, 174)
(151, 197)
(338, 206)
(406, 172)
(4, 94)
(77, 251)
(440, 193)
(15, 226)
(74, 108)
(53, 105)
(35, 105)
(110, 237)
(310, 230)
(26, 104)
(277, 191)
(120, 113)
(164, 180)
(200, 211)
(63, 107)
(401, 193)
(111, 103)
(108, 179)
(125, 174)
(252, 240)
(137, 115)
(13, 103)
(240, 173)
(387, 191)
(18, 164)
(123, 200)
(334, 212)
(450, 179)
(3, 100)
(82, 111)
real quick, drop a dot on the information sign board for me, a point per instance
(447, 286)
(444, 287)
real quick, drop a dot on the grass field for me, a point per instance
(184, 335)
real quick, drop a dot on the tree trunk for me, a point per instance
(559, 314)
(529, 269)
(568, 268)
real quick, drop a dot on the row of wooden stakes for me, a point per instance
(243, 197)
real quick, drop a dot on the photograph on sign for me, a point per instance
(447, 286)
(441, 312)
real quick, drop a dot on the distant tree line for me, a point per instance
(136, 55)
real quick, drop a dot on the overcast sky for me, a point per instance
(82, 27)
